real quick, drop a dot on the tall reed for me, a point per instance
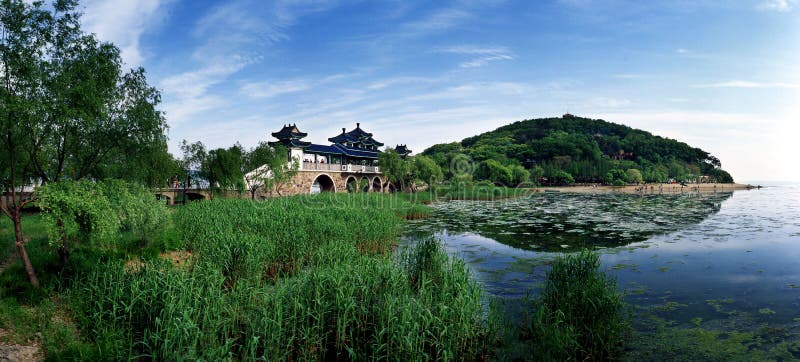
(306, 278)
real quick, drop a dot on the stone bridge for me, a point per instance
(313, 181)
(310, 180)
(169, 195)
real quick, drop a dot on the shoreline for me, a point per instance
(650, 188)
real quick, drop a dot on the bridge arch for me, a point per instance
(351, 185)
(194, 196)
(376, 184)
(363, 184)
(322, 183)
(164, 198)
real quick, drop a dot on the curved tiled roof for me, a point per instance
(289, 131)
(402, 150)
(290, 136)
(288, 142)
(357, 135)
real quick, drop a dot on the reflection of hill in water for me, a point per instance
(564, 222)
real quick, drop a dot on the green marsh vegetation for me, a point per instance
(306, 277)
(297, 278)
(579, 315)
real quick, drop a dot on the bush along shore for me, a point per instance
(297, 278)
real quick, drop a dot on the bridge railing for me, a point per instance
(338, 167)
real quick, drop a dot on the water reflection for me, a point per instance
(725, 261)
(568, 222)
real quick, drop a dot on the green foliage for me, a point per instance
(519, 175)
(281, 170)
(223, 169)
(98, 211)
(633, 176)
(560, 177)
(300, 278)
(403, 172)
(397, 170)
(586, 149)
(71, 107)
(426, 170)
(720, 175)
(257, 163)
(581, 300)
(495, 172)
(616, 177)
(68, 109)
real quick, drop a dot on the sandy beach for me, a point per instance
(651, 188)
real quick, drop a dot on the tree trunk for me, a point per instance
(63, 252)
(23, 254)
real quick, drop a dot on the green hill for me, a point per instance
(575, 149)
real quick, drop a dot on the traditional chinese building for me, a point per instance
(349, 163)
(402, 150)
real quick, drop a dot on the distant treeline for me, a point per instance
(573, 149)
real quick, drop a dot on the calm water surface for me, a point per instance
(732, 259)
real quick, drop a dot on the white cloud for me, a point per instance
(747, 84)
(232, 36)
(271, 89)
(384, 83)
(123, 22)
(777, 5)
(484, 55)
(195, 83)
(439, 20)
(179, 111)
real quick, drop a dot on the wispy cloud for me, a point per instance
(777, 5)
(232, 37)
(271, 89)
(438, 20)
(123, 22)
(481, 55)
(747, 84)
(385, 83)
(627, 76)
(267, 89)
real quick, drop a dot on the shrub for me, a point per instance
(90, 211)
(580, 300)
(633, 176)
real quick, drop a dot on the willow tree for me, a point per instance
(68, 111)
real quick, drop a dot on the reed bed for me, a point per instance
(300, 278)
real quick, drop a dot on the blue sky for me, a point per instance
(719, 75)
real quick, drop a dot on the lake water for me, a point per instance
(724, 262)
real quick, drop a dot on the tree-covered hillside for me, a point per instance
(574, 149)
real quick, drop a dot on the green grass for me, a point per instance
(579, 316)
(307, 277)
(29, 314)
(296, 278)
